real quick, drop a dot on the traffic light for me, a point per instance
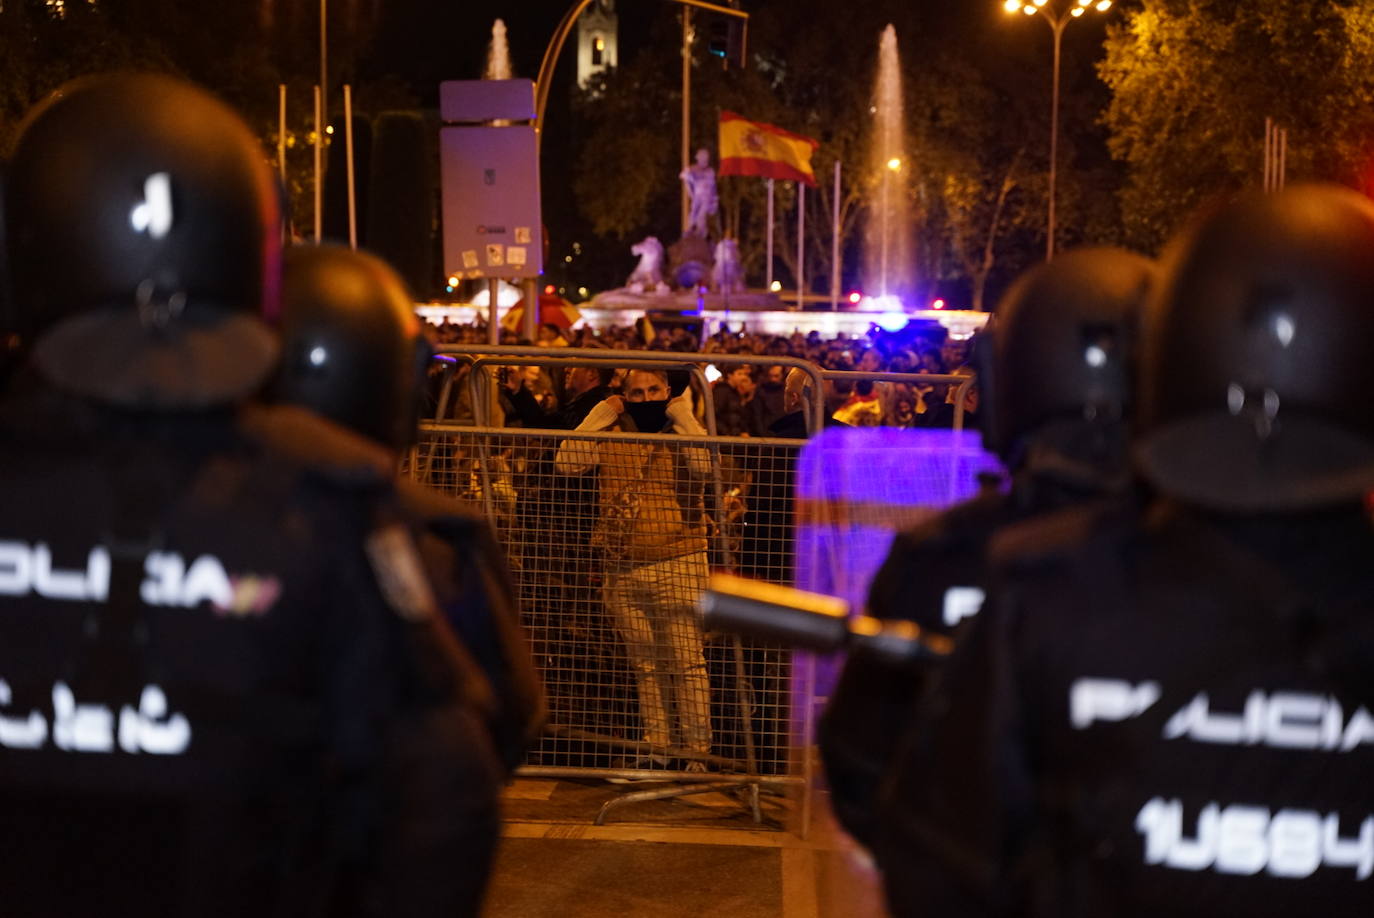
(725, 40)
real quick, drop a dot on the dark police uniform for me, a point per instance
(353, 353)
(1168, 712)
(473, 587)
(225, 685)
(200, 680)
(1167, 716)
(1067, 442)
(935, 575)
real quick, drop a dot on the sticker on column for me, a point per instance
(496, 256)
(470, 259)
(515, 255)
(522, 235)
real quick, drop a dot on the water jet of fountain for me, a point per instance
(498, 54)
(888, 248)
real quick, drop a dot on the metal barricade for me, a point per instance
(963, 383)
(610, 537)
(568, 354)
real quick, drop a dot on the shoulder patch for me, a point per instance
(401, 574)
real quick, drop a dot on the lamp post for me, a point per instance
(1057, 22)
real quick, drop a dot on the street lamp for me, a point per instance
(1057, 22)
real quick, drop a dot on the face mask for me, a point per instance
(649, 417)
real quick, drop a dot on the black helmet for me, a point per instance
(144, 244)
(352, 348)
(1259, 355)
(1061, 347)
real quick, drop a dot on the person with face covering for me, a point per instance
(653, 538)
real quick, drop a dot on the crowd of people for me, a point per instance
(749, 399)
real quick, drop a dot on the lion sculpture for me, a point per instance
(648, 276)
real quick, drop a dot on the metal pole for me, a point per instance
(493, 323)
(1268, 152)
(801, 246)
(319, 175)
(768, 262)
(324, 57)
(1283, 158)
(532, 312)
(281, 133)
(835, 250)
(1054, 136)
(686, 107)
(348, 145)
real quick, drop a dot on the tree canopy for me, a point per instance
(1192, 82)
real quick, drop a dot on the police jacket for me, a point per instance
(1165, 714)
(936, 575)
(473, 585)
(202, 683)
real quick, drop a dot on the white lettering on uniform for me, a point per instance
(164, 572)
(144, 730)
(80, 727)
(28, 569)
(169, 582)
(962, 602)
(90, 728)
(1244, 840)
(1282, 720)
(20, 733)
(1092, 700)
(15, 569)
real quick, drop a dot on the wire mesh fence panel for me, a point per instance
(611, 538)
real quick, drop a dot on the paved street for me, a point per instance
(683, 858)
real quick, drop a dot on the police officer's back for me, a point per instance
(353, 353)
(1168, 712)
(1055, 371)
(199, 674)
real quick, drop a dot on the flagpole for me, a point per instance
(835, 251)
(352, 192)
(801, 245)
(768, 283)
(281, 133)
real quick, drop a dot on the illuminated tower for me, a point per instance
(596, 40)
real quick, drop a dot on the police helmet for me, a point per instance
(352, 347)
(1060, 349)
(145, 242)
(1258, 356)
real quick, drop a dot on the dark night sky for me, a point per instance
(427, 41)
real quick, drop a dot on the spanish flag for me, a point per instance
(753, 148)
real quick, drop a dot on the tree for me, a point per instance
(1193, 80)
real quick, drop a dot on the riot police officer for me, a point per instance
(208, 649)
(1054, 373)
(353, 352)
(1169, 712)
